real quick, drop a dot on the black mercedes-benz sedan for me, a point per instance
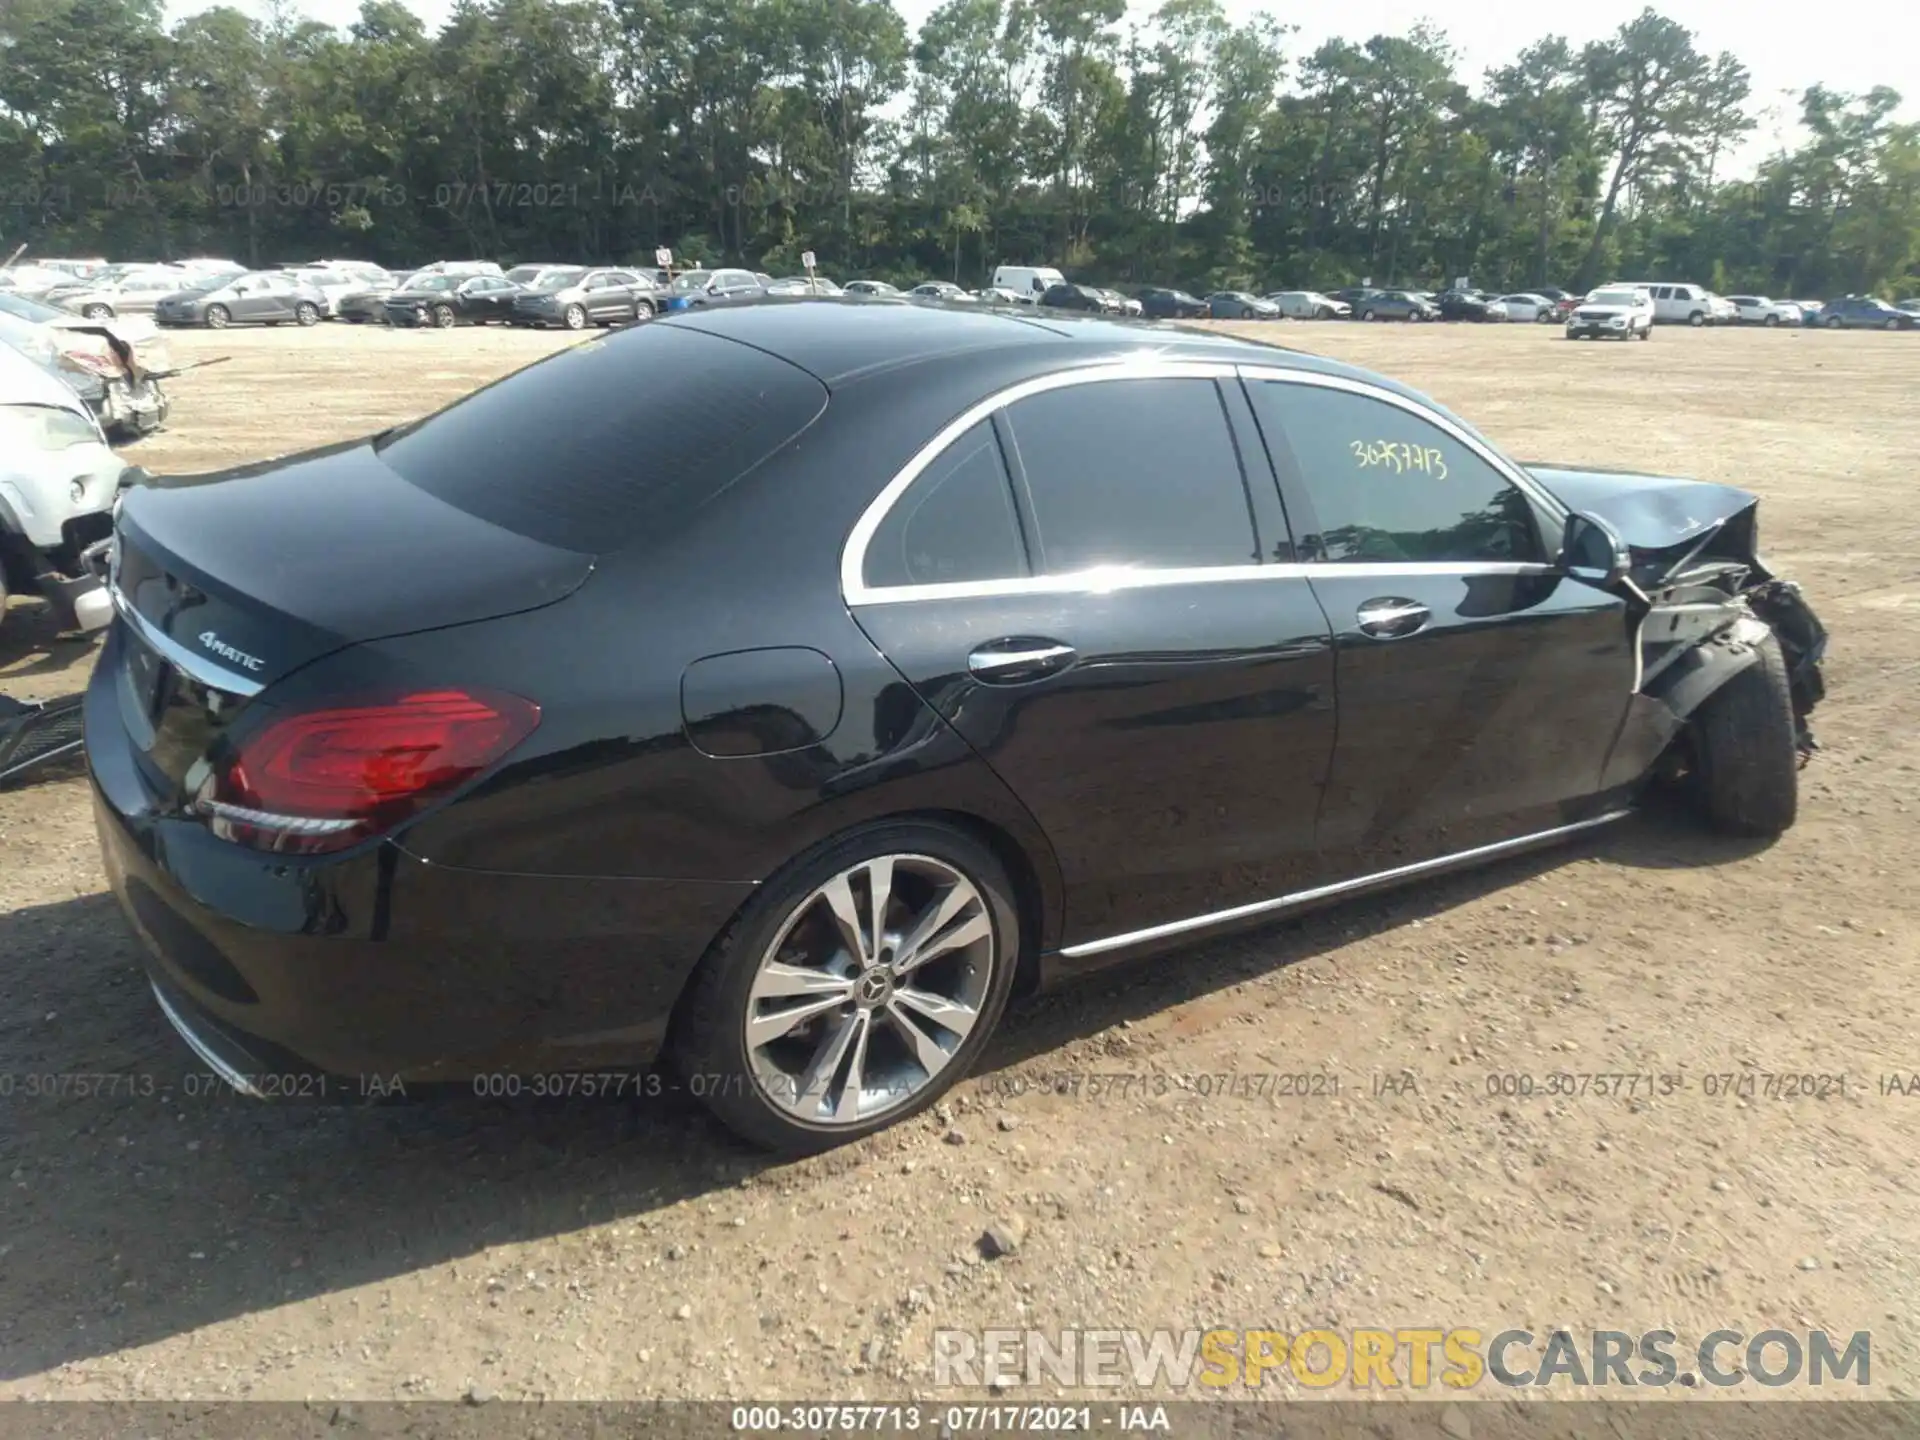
(938, 655)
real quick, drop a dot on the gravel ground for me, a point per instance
(161, 1239)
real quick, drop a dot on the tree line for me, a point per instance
(1186, 149)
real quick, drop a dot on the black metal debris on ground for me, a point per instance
(34, 733)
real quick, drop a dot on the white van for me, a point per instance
(1027, 281)
(1681, 304)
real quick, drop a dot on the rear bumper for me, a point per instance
(336, 976)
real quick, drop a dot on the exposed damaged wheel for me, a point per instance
(1746, 763)
(443, 317)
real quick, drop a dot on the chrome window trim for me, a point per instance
(193, 666)
(853, 557)
(1338, 887)
(1107, 578)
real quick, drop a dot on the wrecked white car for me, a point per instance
(58, 484)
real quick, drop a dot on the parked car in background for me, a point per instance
(1613, 312)
(1680, 304)
(79, 269)
(870, 287)
(1527, 307)
(1001, 295)
(1563, 300)
(115, 366)
(336, 282)
(1352, 296)
(1910, 306)
(1809, 310)
(1241, 305)
(32, 281)
(1032, 281)
(1760, 310)
(253, 297)
(367, 303)
(459, 267)
(1310, 305)
(941, 290)
(1397, 305)
(444, 301)
(1159, 303)
(1130, 306)
(58, 481)
(536, 275)
(604, 296)
(1068, 296)
(117, 290)
(697, 288)
(1865, 312)
(817, 285)
(1474, 305)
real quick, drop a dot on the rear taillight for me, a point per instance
(320, 780)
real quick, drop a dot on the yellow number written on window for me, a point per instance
(1398, 457)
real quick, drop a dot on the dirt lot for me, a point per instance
(184, 1244)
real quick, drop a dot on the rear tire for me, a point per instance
(1696, 319)
(1771, 321)
(788, 923)
(1746, 761)
(1893, 324)
(306, 313)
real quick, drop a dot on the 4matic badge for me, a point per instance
(227, 652)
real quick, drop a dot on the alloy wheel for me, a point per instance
(870, 989)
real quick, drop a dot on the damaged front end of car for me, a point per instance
(1703, 600)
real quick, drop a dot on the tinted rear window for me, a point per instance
(606, 442)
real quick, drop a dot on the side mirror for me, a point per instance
(1592, 550)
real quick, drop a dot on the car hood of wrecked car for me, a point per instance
(1651, 512)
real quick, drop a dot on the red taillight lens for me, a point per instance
(325, 779)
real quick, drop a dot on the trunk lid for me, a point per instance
(230, 581)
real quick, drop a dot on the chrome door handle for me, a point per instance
(1013, 662)
(1391, 618)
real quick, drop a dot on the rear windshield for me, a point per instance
(594, 447)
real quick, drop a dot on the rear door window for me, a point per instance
(561, 453)
(1138, 473)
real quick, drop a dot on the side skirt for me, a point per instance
(1302, 899)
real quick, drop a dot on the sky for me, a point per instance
(1846, 45)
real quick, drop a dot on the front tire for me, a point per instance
(1746, 761)
(814, 1020)
(444, 318)
(97, 312)
(1893, 324)
(575, 318)
(218, 317)
(1833, 322)
(1771, 321)
(1368, 315)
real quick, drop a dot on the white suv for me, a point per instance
(1684, 304)
(1759, 310)
(1613, 312)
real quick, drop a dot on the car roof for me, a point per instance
(842, 342)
